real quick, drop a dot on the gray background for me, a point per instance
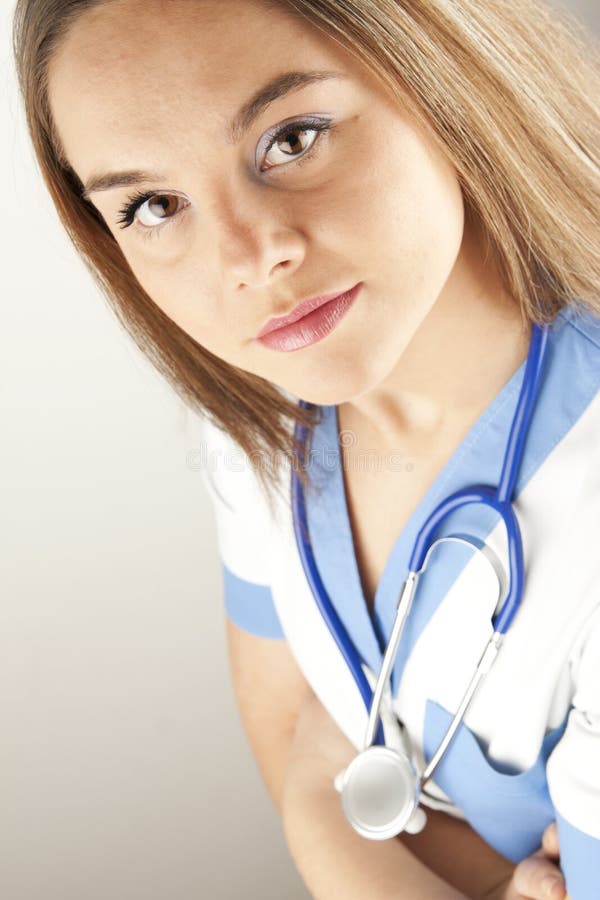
(124, 771)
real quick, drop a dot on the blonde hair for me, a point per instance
(507, 89)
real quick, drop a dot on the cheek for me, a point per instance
(406, 196)
(394, 208)
(183, 293)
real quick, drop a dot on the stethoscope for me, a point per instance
(381, 788)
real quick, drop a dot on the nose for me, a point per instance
(258, 242)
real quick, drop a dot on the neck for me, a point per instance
(464, 351)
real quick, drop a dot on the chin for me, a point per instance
(336, 389)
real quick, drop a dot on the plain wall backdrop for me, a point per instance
(124, 770)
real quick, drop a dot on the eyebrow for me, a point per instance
(275, 89)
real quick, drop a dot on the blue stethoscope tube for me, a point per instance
(499, 499)
(326, 607)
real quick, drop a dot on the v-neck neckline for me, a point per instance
(429, 499)
(477, 459)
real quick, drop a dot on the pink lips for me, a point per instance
(302, 309)
(309, 322)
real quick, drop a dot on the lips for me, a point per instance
(299, 311)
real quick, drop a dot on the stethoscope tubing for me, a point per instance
(498, 499)
(322, 599)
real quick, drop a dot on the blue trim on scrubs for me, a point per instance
(509, 809)
(572, 379)
(579, 861)
(250, 606)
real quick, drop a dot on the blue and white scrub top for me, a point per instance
(528, 750)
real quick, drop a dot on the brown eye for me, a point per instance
(292, 141)
(157, 208)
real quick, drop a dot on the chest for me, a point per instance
(380, 502)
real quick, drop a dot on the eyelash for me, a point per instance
(128, 211)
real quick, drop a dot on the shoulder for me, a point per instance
(575, 345)
(228, 472)
(567, 418)
(583, 323)
(239, 503)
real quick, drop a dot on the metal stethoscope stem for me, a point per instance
(397, 772)
(484, 665)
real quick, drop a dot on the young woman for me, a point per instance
(381, 209)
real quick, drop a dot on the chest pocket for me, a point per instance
(510, 811)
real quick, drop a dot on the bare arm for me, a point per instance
(299, 749)
(447, 859)
(271, 691)
(333, 859)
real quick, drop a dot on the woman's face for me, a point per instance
(234, 231)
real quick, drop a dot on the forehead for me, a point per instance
(130, 71)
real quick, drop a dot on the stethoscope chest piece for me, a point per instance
(380, 793)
